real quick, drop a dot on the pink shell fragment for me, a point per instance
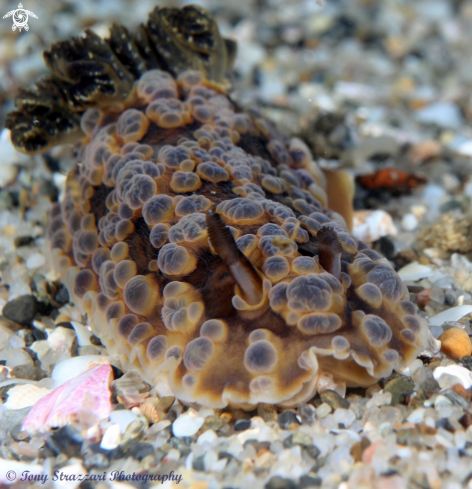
(85, 398)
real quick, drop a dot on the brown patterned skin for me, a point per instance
(198, 240)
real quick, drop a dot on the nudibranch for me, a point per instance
(198, 240)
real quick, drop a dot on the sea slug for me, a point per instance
(199, 240)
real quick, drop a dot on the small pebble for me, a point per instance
(278, 482)
(417, 415)
(409, 222)
(267, 412)
(437, 294)
(62, 296)
(450, 298)
(380, 399)
(309, 480)
(38, 334)
(323, 410)
(242, 425)
(400, 388)
(209, 436)
(140, 450)
(286, 418)
(67, 440)
(460, 390)
(22, 310)
(165, 403)
(455, 342)
(443, 114)
(441, 402)
(466, 362)
(133, 433)
(307, 413)
(388, 246)
(96, 461)
(10, 325)
(28, 372)
(95, 340)
(427, 388)
(213, 423)
(36, 260)
(16, 342)
(450, 205)
(298, 438)
(22, 241)
(334, 399)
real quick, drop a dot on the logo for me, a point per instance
(20, 18)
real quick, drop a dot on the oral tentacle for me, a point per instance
(240, 268)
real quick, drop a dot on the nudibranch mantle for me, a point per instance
(198, 240)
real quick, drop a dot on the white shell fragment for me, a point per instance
(61, 339)
(111, 438)
(327, 382)
(86, 397)
(417, 415)
(70, 368)
(35, 261)
(123, 418)
(372, 225)
(409, 222)
(82, 333)
(15, 357)
(431, 346)
(415, 271)
(413, 367)
(9, 154)
(187, 424)
(24, 395)
(453, 314)
(451, 375)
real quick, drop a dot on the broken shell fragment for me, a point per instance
(85, 398)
